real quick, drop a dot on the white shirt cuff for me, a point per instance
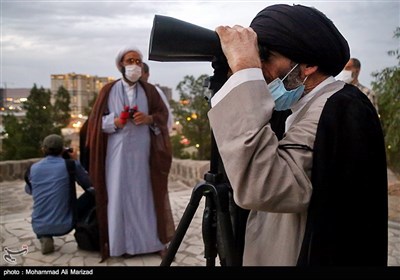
(240, 77)
(108, 125)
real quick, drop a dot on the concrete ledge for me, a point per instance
(11, 170)
(189, 172)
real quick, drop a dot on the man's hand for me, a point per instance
(140, 118)
(240, 47)
(74, 154)
(118, 123)
(123, 117)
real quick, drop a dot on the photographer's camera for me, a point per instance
(67, 152)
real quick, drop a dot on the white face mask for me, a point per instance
(345, 76)
(133, 72)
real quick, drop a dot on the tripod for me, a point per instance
(222, 225)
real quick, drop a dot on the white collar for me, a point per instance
(128, 86)
(304, 100)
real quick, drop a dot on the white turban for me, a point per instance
(123, 51)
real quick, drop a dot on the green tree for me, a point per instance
(61, 109)
(178, 147)
(23, 139)
(12, 138)
(387, 88)
(191, 112)
(38, 122)
(88, 109)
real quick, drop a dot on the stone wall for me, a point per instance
(190, 172)
(11, 170)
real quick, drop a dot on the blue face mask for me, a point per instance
(284, 99)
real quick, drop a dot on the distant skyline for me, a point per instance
(40, 38)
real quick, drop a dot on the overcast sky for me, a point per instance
(40, 38)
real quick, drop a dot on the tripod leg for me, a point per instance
(218, 235)
(218, 232)
(184, 223)
(210, 231)
(228, 251)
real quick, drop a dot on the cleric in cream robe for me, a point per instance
(129, 160)
(318, 196)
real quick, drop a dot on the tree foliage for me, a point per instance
(22, 138)
(61, 110)
(12, 138)
(178, 148)
(88, 109)
(191, 112)
(38, 122)
(387, 88)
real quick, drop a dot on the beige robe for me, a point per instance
(274, 183)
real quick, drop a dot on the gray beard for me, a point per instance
(293, 80)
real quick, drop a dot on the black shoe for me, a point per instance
(47, 244)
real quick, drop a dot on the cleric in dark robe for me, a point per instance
(317, 195)
(129, 164)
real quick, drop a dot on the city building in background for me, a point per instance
(11, 99)
(81, 87)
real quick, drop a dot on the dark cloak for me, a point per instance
(347, 223)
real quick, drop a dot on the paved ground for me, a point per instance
(16, 231)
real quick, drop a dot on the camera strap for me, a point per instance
(70, 164)
(131, 102)
(26, 178)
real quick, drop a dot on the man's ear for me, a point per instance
(356, 73)
(310, 69)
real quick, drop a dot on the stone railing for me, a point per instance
(190, 172)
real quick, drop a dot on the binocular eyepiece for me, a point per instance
(132, 111)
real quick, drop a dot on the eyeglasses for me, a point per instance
(130, 61)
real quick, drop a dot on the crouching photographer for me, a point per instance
(51, 182)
